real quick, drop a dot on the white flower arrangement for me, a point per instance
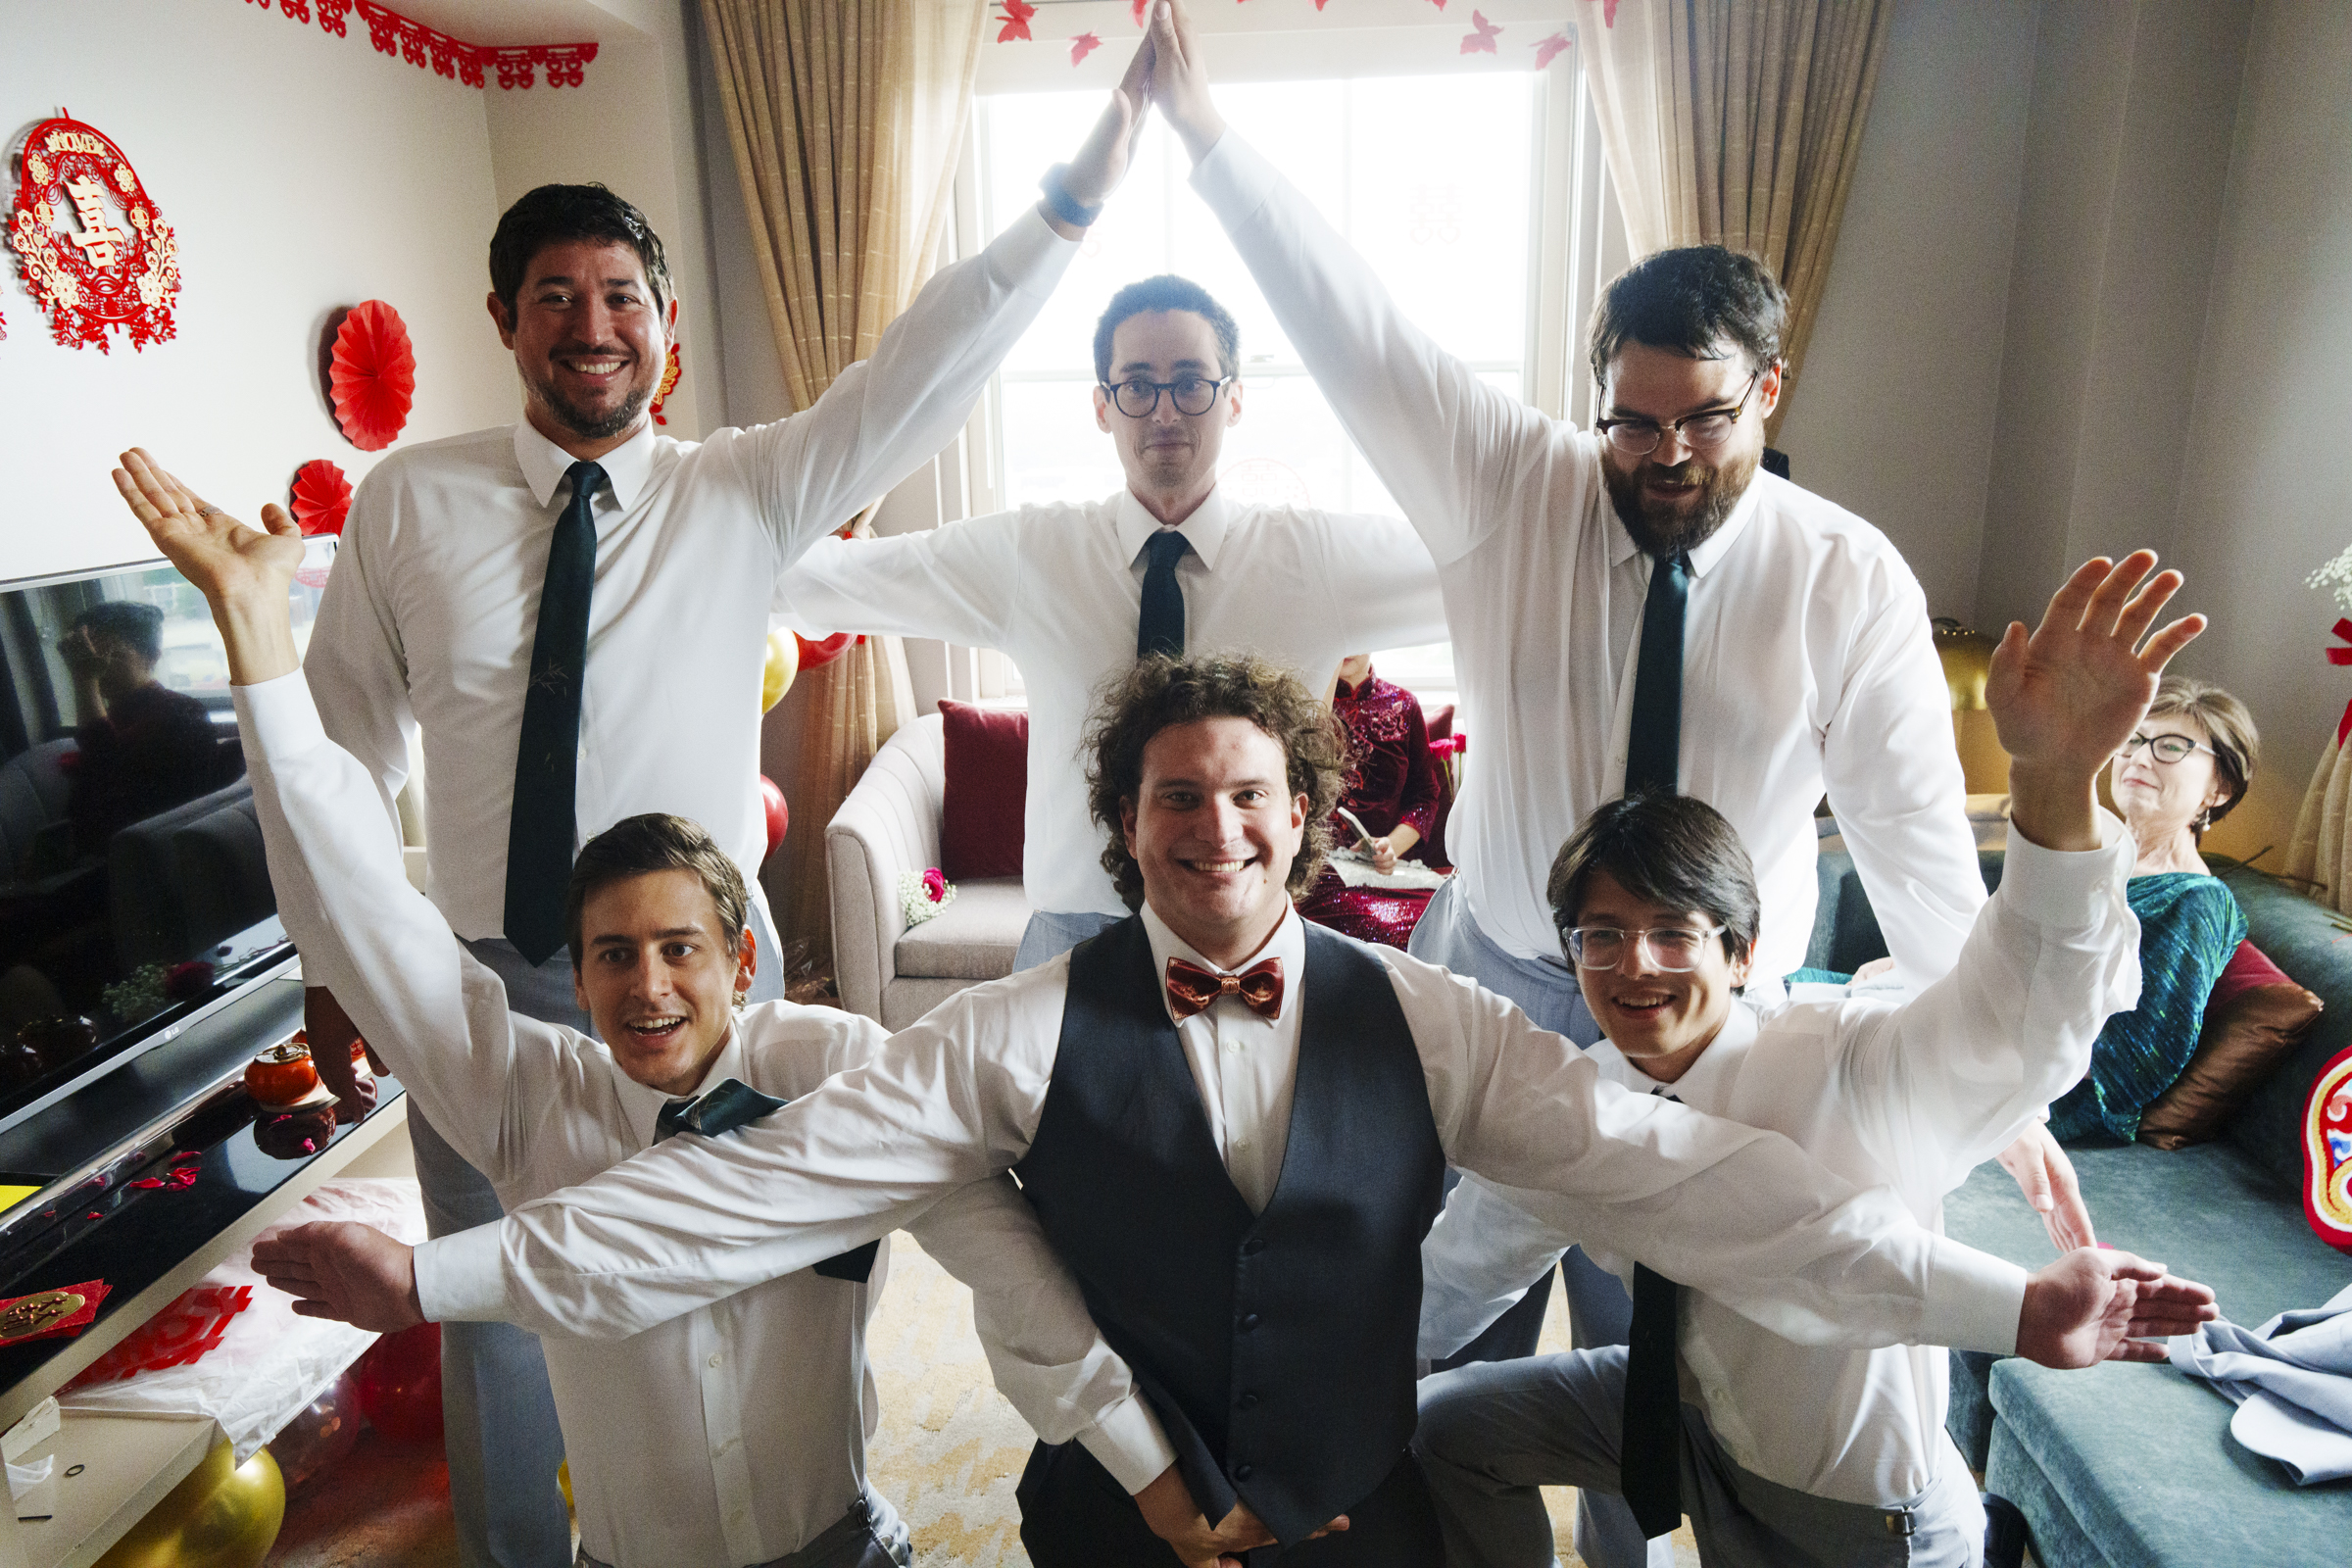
(2336, 578)
(924, 893)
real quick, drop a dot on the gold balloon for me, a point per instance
(783, 663)
(1967, 656)
(564, 1484)
(222, 1515)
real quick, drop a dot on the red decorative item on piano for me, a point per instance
(321, 498)
(373, 375)
(51, 1314)
(180, 1335)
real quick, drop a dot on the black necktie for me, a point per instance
(1649, 1449)
(1160, 629)
(1653, 746)
(540, 831)
(724, 1108)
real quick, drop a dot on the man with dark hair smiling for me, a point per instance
(520, 599)
(1802, 1452)
(1231, 1127)
(1073, 593)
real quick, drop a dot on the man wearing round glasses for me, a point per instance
(1074, 593)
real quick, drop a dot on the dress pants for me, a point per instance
(1599, 1309)
(498, 1417)
(871, 1534)
(1491, 1435)
(1075, 1515)
(1050, 933)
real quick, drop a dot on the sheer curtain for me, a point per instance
(1736, 123)
(846, 115)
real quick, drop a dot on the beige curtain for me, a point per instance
(845, 117)
(1737, 123)
(2321, 852)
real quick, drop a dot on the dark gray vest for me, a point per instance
(1277, 1350)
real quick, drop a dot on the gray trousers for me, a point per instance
(1599, 1309)
(1050, 933)
(1490, 1434)
(871, 1534)
(498, 1418)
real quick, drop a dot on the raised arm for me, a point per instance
(1450, 447)
(958, 581)
(439, 1020)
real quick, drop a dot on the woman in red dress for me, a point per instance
(1393, 790)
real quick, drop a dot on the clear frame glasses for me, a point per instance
(1700, 433)
(1192, 394)
(2164, 749)
(1675, 949)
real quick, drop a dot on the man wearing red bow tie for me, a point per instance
(1233, 1127)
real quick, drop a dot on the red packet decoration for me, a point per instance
(669, 381)
(320, 498)
(1481, 42)
(372, 376)
(1550, 49)
(93, 248)
(2327, 1154)
(180, 1335)
(1017, 21)
(50, 1315)
(1086, 43)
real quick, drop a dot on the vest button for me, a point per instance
(1254, 1246)
(1248, 1322)
(1248, 1401)
(1243, 1472)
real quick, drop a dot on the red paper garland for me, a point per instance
(517, 66)
(320, 498)
(373, 375)
(93, 248)
(670, 382)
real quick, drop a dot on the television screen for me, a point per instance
(133, 888)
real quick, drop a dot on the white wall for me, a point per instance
(303, 172)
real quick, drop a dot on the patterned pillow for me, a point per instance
(2327, 1154)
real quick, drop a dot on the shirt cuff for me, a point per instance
(1233, 179)
(462, 1277)
(1974, 1299)
(1029, 258)
(2068, 888)
(279, 715)
(1128, 1442)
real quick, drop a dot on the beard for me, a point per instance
(593, 425)
(1662, 528)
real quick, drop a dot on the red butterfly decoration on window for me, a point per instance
(1550, 49)
(1017, 21)
(1483, 40)
(1086, 43)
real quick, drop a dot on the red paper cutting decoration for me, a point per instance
(1483, 40)
(1086, 43)
(93, 249)
(2327, 1154)
(180, 1335)
(669, 381)
(1550, 49)
(322, 497)
(1017, 21)
(374, 375)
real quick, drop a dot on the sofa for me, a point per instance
(2125, 1466)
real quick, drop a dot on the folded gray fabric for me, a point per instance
(2291, 1380)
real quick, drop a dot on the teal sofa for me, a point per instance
(2128, 1466)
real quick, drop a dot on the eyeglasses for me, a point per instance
(2164, 749)
(1675, 949)
(1700, 433)
(1194, 394)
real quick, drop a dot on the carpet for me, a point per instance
(951, 1450)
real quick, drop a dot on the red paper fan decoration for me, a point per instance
(373, 375)
(322, 497)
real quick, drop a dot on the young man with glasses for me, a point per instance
(1074, 593)
(1787, 1453)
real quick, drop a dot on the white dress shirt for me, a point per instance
(429, 615)
(957, 1097)
(1808, 667)
(733, 1432)
(1059, 590)
(1910, 1093)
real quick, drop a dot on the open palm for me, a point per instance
(222, 557)
(2066, 696)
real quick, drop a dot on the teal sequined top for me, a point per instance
(2188, 927)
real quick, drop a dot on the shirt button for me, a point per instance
(1241, 1142)
(1248, 1322)
(1243, 1472)
(714, 1358)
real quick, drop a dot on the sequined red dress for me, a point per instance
(1391, 782)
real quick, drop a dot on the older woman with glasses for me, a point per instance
(2186, 764)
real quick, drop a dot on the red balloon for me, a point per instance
(823, 651)
(779, 815)
(399, 1385)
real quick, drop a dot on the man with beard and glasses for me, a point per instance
(1635, 605)
(572, 610)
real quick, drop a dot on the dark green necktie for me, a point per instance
(1649, 1454)
(543, 823)
(1161, 627)
(1653, 745)
(727, 1107)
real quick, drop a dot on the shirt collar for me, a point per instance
(1706, 1082)
(544, 464)
(642, 1102)
(1288, 944)
(1204, 530)
(1704, 555)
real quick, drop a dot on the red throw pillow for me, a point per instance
(987, 789)
(2249, 966)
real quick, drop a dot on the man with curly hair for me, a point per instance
(1234, 1127)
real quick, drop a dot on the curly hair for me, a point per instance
(1159, 693)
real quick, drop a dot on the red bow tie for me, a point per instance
(1192, 988)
